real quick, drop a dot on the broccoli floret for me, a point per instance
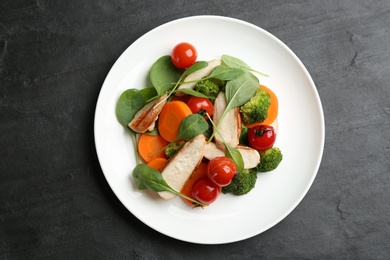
(209, 87)
(244, 135)
(173, 148)
(242, 182)
(269, 160)
(256, 109)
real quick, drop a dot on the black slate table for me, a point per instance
(54, 199)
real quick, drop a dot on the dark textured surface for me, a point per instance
(54, 200)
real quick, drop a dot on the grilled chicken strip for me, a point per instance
(198, 75)
(230, 127)
(250, 156)
(182, 164)
(144, 120)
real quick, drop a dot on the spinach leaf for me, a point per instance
(191, 126)
(234, 62)
(129, 102)
(235, 155)
(147, 178)
(149, 93)
(193, 93)
(240, 90)
(163, 73)
(194, 67)
(226, 73)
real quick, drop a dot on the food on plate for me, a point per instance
(202, 128)
(209, 87)
(270, 160)
(184, 55)
(221, 170)
(180, 167)
(205, 190)
(157, 163)
(256, 109)
(192, 79)
(273, 108)
(201, 105)
(262, 137)
(170, 118)
(250, 156)
(144, 120)
(242, 183)
(149, 144)
(230, 125)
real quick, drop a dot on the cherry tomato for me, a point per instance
(183, 55)
(221, 170)
(201, 106)
(261, 137)
(205, 190)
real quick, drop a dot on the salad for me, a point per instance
(204, 128)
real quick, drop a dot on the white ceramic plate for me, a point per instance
(301, 132)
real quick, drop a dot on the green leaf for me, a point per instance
(194, 67)
(146, 177)
(191, 126)
(226, 73)
(163, 73)
(129, 102)
(235, 155)
(234, 62)
(240, 90)
(149, 93)
(193, 93)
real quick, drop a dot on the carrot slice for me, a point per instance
(157, 163)
(148, 144)
(200, 172)
(170, 118)
(272, 110)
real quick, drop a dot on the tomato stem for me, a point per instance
(261, 131)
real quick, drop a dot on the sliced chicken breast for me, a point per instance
(250, 156)
(230, 127)
(182, 164)
(198, 75)
(144, 120)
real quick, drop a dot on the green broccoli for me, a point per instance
(269, 160)
(173, 148)
(256, 109)
(242, 182)
(209, 87)
(244, 135)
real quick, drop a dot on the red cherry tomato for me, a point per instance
(205, 190)
(261, 137)
(221, 170)
(201, 106)
(183, 55)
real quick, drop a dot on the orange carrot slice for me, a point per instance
(272, 110)
(157, 163)
(148, 144)
(170, 118)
